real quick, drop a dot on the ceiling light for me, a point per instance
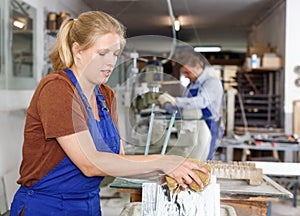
(19, 24)
(177, 24)
(207, 49)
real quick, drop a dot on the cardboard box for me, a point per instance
(271, 61)
(260, 49)
(296, 117)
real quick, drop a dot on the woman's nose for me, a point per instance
(111, 61)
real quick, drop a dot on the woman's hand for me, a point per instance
(181, 170)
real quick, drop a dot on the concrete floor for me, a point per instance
(285, 208)
(114, 206)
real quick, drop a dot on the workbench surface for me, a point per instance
(268, 189)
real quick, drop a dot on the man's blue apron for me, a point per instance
(212, 125)
(65, 190)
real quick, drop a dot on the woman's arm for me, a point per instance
(81, 150)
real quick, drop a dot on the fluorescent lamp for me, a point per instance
(177, 25)
(207, 49)
(19, 24)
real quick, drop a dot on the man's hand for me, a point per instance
(166, 98)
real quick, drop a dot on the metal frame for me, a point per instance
(7, 79)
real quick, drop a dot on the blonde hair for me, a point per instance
(84, 30)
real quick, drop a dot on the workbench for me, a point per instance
(291, 151)
(246, 199)
(284, 172)
(251, 200)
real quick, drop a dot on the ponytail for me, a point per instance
(61, 53)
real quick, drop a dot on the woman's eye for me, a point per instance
(102, 54)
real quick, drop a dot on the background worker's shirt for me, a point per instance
(210, 94)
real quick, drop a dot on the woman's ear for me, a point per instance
(76, 51)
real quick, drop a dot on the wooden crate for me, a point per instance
(296, 117)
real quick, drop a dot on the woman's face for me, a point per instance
(97, 62)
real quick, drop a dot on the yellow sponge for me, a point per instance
(172, 184)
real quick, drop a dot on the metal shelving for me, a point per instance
(262, 95)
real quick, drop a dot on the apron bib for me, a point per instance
(65, 190)
(212, 125)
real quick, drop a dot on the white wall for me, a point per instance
(271, 30)
(292, 59)
(14, 103)
(11, 133)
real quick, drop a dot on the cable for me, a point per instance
(193, 24)
(170, 9)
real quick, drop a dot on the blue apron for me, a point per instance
(65, 190)
(212, 125)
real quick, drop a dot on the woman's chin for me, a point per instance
(104, 80)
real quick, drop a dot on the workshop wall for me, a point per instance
(270, 30)
(292, 59)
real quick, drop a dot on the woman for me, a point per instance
(71, 141)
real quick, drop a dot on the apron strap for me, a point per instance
(102, 108)
(99, 97)
(76, 84)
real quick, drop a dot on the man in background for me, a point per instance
(204, 92)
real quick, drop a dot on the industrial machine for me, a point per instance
(146, 127)
(136, 98)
